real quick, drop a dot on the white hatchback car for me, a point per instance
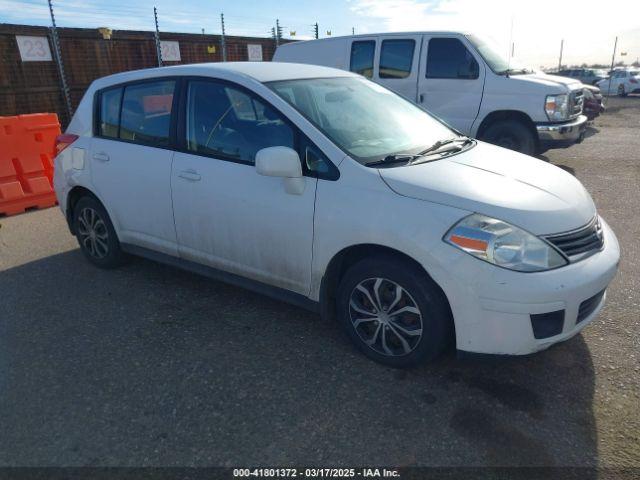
(621, 83)
(322, 188)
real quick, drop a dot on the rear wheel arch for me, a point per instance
(349, 256)
(73, 197)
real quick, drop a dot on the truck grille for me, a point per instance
(579, 243)
(576, 99)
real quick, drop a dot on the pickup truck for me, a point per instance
(463, 80)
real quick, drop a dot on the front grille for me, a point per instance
(581, 242)
(588, 306)
(576, 99)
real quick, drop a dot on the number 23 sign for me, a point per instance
(34, 49)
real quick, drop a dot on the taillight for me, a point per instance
(64, 140)
(633, 80)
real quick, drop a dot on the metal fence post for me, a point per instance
(58, 56)
(613, 62)
(223, 43)
(157, 37)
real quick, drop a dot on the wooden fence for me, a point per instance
(32, 87)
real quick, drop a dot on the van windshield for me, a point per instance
(365, 120)
(499, 63)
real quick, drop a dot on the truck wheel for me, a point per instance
(96, 235)
(510, 134)
(393, 312)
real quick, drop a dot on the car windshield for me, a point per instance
(367, 121)
(498, 62)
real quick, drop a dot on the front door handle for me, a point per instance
(103, 157)
(190, 175)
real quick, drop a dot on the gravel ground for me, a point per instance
(149, 365)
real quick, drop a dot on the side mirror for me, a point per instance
(282, 162)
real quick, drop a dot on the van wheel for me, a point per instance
(510, 134)
(393, 312)
(96, 235)
(621, 91)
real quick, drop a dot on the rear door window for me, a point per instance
(396, 58)
(146, 113)
(362, 57)
(449, 58)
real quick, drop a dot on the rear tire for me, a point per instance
(621, 91)
(510, 134)
(393, 312)
(96, 235)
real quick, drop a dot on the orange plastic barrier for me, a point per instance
(27, 150)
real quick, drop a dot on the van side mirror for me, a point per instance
(282, 162)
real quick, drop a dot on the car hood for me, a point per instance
(548, 80)
(500, 183)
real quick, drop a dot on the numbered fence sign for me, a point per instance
(170, 51)
(254, 52)
(34, 49)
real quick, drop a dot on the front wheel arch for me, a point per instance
(348, 256)
(509, 116)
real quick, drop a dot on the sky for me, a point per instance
(534, 28)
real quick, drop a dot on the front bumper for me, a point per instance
(492, 306)
(561, 135)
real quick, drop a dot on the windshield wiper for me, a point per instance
(456, 145)
(412, 159)
(397, 158)
(514, 71)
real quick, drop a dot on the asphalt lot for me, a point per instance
(149, 365)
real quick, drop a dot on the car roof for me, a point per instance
(259, 71)
(379, 34)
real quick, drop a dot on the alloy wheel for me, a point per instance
(93, 233)
(385, 317)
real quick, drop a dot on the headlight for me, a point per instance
(504, 245)
(557, 107)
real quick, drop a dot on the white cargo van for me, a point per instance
(463, 80)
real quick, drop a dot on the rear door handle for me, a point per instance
(103, 157)
(190, 175)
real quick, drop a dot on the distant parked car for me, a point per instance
(592, 105)
(622, 82)
(588, 76)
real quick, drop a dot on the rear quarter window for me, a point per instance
(109, 117)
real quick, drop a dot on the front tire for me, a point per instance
(96, 235)
(510, 134)
(393, 312)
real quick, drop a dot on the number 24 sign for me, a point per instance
(34, 49)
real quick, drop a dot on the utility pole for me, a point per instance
(157, 37)
(58, 55)
(353, 31)
(613, 59)
(223, 43)
(315, 30)
(278, 32)
(560, 61)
